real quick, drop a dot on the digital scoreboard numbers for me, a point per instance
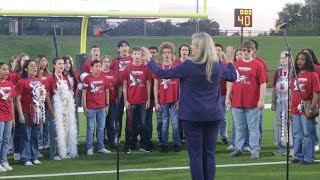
(242, 17)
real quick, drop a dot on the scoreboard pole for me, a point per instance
(241, 36)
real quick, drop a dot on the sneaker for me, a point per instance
(176, 148)
(235, 153)
(164, 149)
(56, 158)
(90, 152)
(41, 147)
(231, 148)
(40, 155)
(6, 166)
(305, 162)
(316, 147)
(2, 169)
(225, 141)
(295, 161)
(104, 151)
(254, 156)
(280, 152)
(183, 141)
(127, 150)
(36, 162)
(247, 148)
(28, 163)
(46, 147)
(146, 150)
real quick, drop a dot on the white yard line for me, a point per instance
(137, 170)
(266, 106)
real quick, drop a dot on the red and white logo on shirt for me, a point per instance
(6, 93)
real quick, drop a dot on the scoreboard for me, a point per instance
(242, 17)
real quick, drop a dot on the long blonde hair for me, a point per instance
(206, 52)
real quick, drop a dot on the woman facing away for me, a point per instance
(200, 110)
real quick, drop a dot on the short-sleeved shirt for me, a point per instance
(95, 91)
(137, 93)
(7, 92)
(246, 90)
(308, 83)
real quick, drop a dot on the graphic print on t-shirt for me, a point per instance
(6, 93)
(135, 83)
(302, 82)
(96, 86)
(243, 74)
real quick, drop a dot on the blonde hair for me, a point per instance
(106, 57)
(206, 52)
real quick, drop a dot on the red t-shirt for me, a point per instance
(171, 93)
(128, 60)
(23, 88)
(51, 83)
(223, 83)
(95, 91)
(246, 90)
(317, 69)
(6, 93)
(14, 77)
(309, 83)
(43, 77)
(77, 74)
(112, 80)
(264, 66)
(137, 94)
(87, 66)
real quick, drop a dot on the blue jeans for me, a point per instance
(247, 118)
(317, 132)
(53, 135)
(44, 134)
(100, 116)
(223, 123)
(159, 126)
(201, 139)
(136, 116)
(5, 133)
(149, 120)
(233, 134)
(110, 128)
(303, 137)
(16, 132)
(29, 140)
(169, 109)
(261, 128)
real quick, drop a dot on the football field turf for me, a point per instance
(172, 165)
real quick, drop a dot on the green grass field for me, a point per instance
(155, 159)
(269, 47)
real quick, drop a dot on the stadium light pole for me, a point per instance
(197, 24)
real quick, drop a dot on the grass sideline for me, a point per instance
(137, 160)
(269, 46)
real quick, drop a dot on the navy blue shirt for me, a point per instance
(200, 100)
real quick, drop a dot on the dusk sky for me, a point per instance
(264, 12)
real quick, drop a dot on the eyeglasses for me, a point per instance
(246, 49)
